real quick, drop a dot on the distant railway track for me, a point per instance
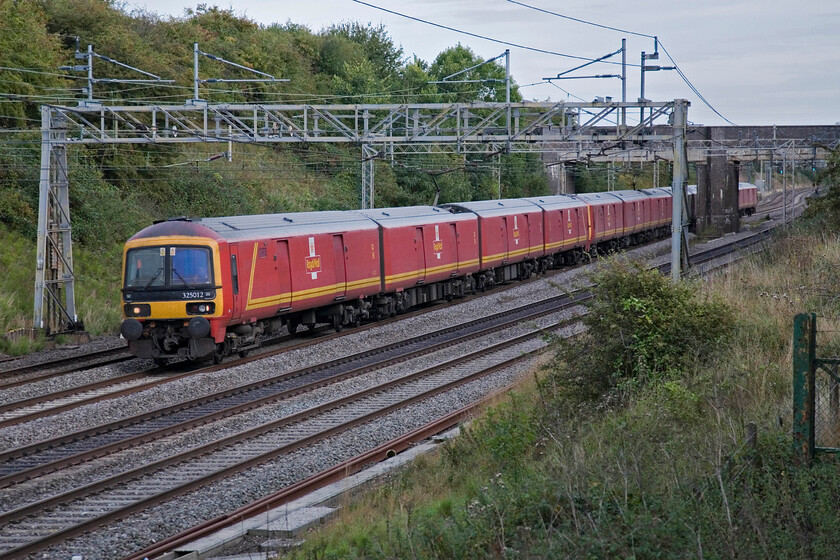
(30, 373)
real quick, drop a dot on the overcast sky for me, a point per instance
(755, 61)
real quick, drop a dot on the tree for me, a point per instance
(492, 76)
(26, 45)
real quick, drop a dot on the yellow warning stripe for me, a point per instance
(431, 270)
(566, 242)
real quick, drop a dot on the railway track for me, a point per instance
(139, 488)
(180, 473)
(20, 464)
(30, 373)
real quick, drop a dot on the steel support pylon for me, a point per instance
(680, 167)
(369, 154)
(55, 303)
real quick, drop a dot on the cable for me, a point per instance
(525, 47)
(694, 89)
(676, 66)
(67, 76)
(581, 20)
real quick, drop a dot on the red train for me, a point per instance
(747, 200)
(196, 288)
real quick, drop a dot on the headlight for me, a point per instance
(137, 310)
(201, 308)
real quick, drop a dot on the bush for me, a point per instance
(642, 329)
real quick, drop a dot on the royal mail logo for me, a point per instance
(516, 234)
(313, 261)
(438, 246)
(313, 264)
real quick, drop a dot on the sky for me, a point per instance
(756, 62)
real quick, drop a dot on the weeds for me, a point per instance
(644, 457)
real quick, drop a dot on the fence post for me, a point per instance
(804, 354)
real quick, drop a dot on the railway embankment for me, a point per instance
(635, 440)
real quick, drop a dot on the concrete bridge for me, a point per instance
(723, 156)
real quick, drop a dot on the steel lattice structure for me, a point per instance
(589, 131)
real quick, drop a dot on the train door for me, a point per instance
(236, 301)
(521, 233)
(340, 263)
(453, 236)
(568, 226)
(420, 253)
(284, 274)
(505, 238)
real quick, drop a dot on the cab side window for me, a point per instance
(234, 274)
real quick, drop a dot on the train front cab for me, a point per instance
(172, 294)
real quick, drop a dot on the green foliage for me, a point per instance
(599, 177)
(25, 43)
(642, 329)
(826, 209)
(458, 58)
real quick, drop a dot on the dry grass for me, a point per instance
(668, 474)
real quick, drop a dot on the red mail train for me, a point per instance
(211, 287)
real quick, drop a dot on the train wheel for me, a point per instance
(244, 353)
(292, 326)
(161, 362)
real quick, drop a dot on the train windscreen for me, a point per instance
(171, 266)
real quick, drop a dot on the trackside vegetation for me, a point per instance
(632, 441)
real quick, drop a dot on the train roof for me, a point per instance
(487, 208)
(598, 197)
(411, 215)
(287, 224)
(658, 191)
(628, 194)
(556, 201)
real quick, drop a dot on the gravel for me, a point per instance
(156, 523)
(130, 535)
(64, 351)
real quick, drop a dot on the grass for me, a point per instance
(664, 472)
(97, 289)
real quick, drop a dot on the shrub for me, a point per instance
(642, 329)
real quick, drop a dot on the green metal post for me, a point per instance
(804, 354)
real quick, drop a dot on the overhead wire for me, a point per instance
(676, 66)
(690, 85)
(476, 35)
(581, 20)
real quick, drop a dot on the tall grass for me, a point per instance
(665, 471)
(97, 289)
